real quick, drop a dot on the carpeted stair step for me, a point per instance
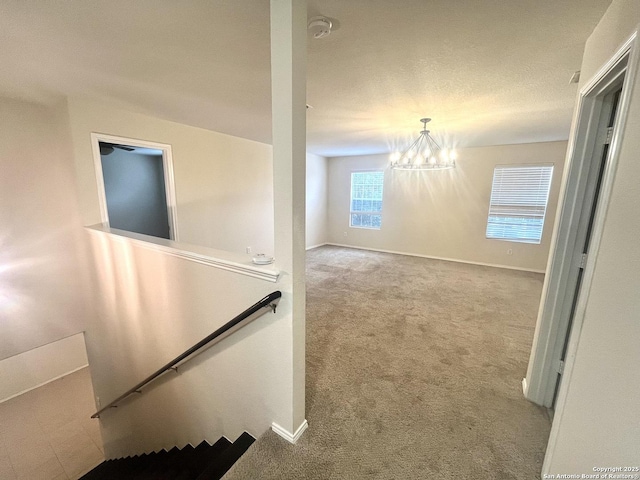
(201, 457)
(134, 466)
(122, 469)
(205, 462)
(176, 468)
(188, 462)
(161, 466)
(227, 458)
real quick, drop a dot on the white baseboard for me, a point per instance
(34, 368)
(457, 260)
(291, 438)
(525, 387)
(316, 246)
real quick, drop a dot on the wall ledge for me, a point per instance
(221, 259)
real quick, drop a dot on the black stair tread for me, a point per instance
(107, 469)
(169, 458)
(217, 469)
(176, 467)
(159, 466)
(203, 455)
(204, 462)
(170, 465)
(131, 468)
(97, 473)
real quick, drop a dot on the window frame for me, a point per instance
(492, 213)
(362, 212)
(169, 179)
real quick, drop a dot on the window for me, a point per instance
(366, 199)
(518, 202)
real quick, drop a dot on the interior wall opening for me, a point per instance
(135, 186)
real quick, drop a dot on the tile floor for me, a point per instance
(47, 433)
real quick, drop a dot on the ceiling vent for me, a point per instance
(319, 27)
(575, 78)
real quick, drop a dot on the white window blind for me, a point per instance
(366, 199)
(518, 204)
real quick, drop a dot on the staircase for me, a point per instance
(205, 462)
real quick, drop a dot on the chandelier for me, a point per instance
(424, 154)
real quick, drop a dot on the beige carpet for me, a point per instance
(414, 371)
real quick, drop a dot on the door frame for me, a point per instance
(169, 179)
(540, 383)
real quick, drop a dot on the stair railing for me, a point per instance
(250, 314)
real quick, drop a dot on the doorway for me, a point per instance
(605, 125)
(135, 184)
(593, 153)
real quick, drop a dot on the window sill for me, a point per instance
(233, 262)
(513, 240)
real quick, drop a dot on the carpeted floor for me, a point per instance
(414, 371)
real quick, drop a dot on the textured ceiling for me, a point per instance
(487, 71)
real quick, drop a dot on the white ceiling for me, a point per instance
(487, 71)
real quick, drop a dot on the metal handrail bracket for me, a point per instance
(251, 313)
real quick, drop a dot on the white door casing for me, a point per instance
(539, 385)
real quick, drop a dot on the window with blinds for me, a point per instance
(366, 199)
(518, 204)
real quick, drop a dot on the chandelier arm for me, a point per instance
(416, 141)
(438, 147)
(420, 153)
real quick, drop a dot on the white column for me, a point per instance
(288, 99)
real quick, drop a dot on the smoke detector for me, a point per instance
(319, 27)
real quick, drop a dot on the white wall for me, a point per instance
(443, 214)
(36, 367)
(150, 308)
(288, 20)
(601, 419)
(42, 287)
(223, 184)
(317, 187)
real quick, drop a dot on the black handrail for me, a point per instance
(270, 301)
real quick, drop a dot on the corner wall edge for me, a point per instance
(289, 437)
